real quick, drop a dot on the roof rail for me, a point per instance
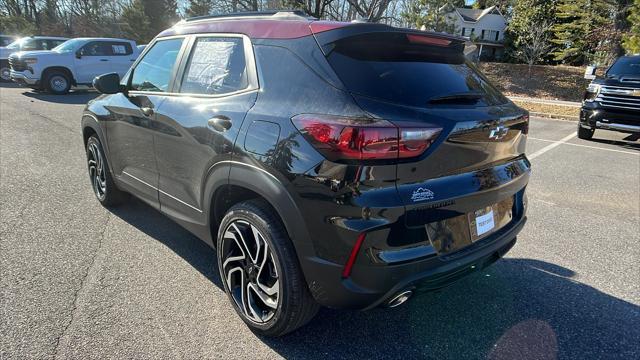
(279, 13)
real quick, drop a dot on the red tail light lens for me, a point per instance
(340, 138)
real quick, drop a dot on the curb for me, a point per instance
(554, 116)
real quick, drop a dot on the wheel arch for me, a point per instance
(63, 69)
(247, 182)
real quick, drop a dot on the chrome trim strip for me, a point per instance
(140, 180)
(616, 126)
(604, 87)
(239, 92)
(619, 107)
(180, 201)
(163, 192)
(616, 101)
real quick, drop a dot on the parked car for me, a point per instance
(6, 40)
(25, 44)
(74, 63)
(612, 102)
(336, 164)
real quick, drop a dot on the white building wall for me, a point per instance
(487, 23)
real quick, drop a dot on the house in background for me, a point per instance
(485, 27)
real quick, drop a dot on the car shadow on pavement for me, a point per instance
(515, 309)
(629, 143)
(10, 85)
(76, 97)
(151, 222)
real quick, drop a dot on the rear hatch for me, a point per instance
(476, 164)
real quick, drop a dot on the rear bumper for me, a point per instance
(23, 79)
(399, 254)
(594, 116)
(432, 273)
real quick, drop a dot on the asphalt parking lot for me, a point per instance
(79, 281)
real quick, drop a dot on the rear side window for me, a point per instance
(121, 48)
(54, 43)
(415, 72)
(216, 66)
(153, 72)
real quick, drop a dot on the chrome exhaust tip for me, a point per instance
(400, 298)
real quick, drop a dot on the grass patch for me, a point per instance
(569, 112)
(546, 82)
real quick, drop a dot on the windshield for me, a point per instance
(68, 46)
(627, 65)
(16, 44)
(409, 70)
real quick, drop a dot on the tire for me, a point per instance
(277, 299)
(5, 72)
(57, 82)
(102, 183)
(585, 134)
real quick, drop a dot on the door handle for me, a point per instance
(220, 123)
(104, 59)
(146, 111)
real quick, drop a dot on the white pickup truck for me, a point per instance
(29, 43)
(72, 64)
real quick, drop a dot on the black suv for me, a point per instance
(336, 164)
(613, 101)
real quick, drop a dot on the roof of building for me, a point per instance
(474, 15)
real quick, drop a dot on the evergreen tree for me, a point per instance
(136, 22)
(631, 40)
(162, 14)
(503, 5)
(199, 8)
(578, 21)
(432, 14)
(527, 14)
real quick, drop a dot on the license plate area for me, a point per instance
(483, 222)
(455, 233)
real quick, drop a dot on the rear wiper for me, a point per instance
(462, 97)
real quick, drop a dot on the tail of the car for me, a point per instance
(411, 142)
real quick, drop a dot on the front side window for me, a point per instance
(96, 48)
(153, 72)
(216, 66)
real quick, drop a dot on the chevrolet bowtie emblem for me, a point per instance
(498, 132)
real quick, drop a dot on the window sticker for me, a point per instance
(119, 49)
(209, 63)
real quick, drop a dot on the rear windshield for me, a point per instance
(392, 68)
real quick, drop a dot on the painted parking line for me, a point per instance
(561, 142)
(553, 145)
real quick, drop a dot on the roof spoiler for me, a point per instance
(327, 33)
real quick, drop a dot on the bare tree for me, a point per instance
(536, 45)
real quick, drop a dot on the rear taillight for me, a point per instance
(347, 139)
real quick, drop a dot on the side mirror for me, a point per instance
(590, 72)
(79, 54)
(107, 83)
